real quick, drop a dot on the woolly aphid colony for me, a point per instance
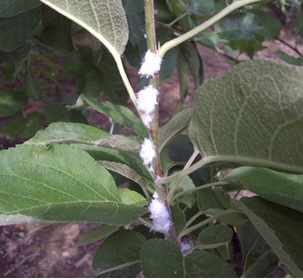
(147, 101)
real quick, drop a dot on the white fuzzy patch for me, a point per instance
(147, 101)
(159, 215)
(147, 153)
(151, 64)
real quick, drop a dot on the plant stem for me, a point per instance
(290, 46)
(205, 222)
(188, 35)
(206, 186)
(176, 184)
(154, 127)
(193, 218)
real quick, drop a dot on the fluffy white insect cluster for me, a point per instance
(147, 101)
(159, 215)
(151, 64)
(147, 153)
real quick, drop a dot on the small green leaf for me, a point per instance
(270, 23)
(123, 170)
(161, 259)
(62, 132)
(203, 264)
(32, 85)
(247, 116)
(298, 61)
(129, 197)
(212, 199)
(175, 125)
(282, 188)
(260, 261)
(21, 127)
(108, 154)
(95, 235)
(280, 227)
(118, 113)
(118, 251)
(60, 183)
(105, 19)
(186, 184)
(215, 236)
(179, 218)
(11, 101)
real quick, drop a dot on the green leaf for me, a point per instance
(56, 112)
(9, 8)
(60, 183)
(119, 114)
(11, 101)
(260, 261)
(190, 53)
(176, 152)
(130, 197)
(238, 26)
(17, 126)
(95, 235)
(186, 184)
(56, 31)
(247, 116)
(283, 188)
(23, 26)
(161, 259)
(270, 23)
(118, 251)
(62, 132)
(212, 199)
(32, 85)
(215, 236)
(124, 170)
(175, 125)
(203, 264)
(105, 19)
(298, 61)
(179, 218)
(108, 154)
(280, 227)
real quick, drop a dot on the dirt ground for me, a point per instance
(49, 250)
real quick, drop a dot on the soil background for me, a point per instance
(49, 250)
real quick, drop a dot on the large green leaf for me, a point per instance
(280, 227)
(105, 19)
(9, 8)
(161, 259)
(60, 183)
(282, 188)
(119, 251)
(23, 26)
(252, 115)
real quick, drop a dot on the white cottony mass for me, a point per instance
(147, 101)
(151, 64)
(159, 215)
(147, 153)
